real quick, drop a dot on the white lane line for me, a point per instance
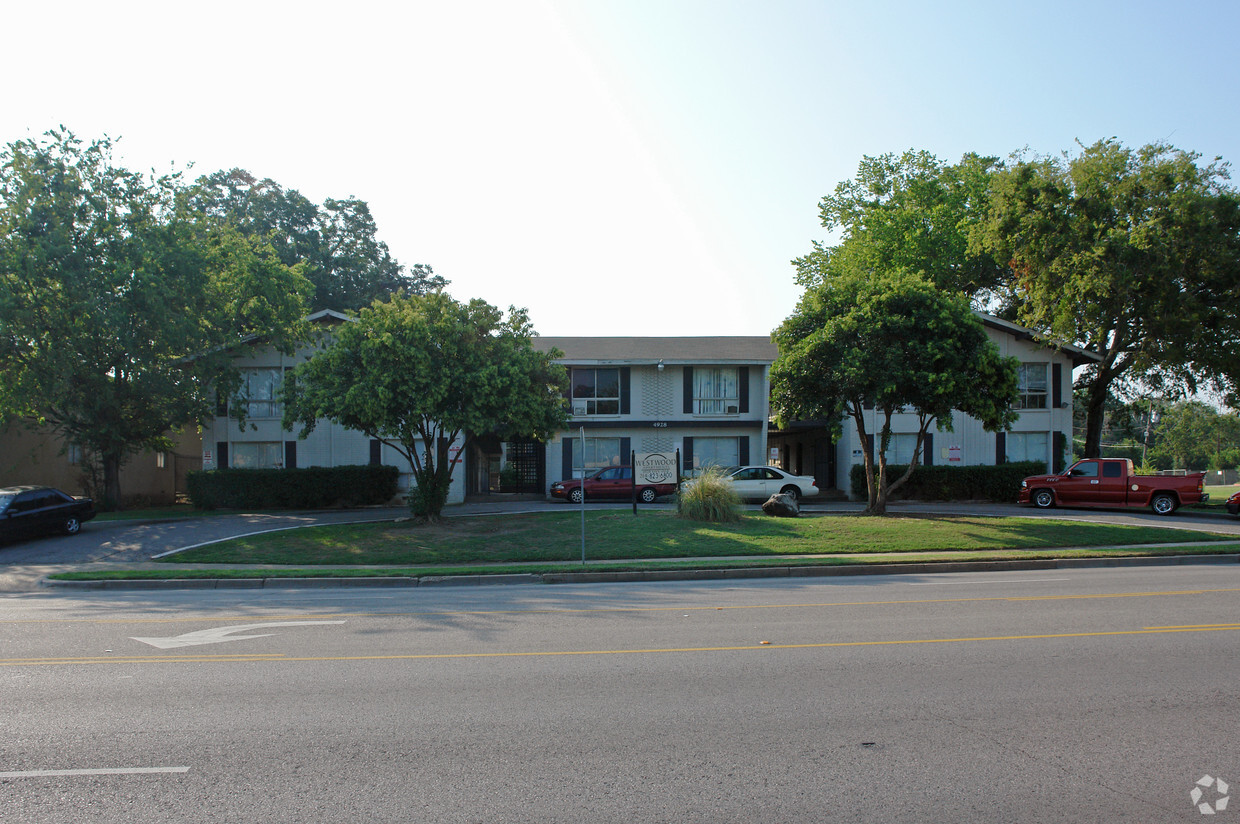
(112, 771)
(976, 583)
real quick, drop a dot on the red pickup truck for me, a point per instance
(1111, 482)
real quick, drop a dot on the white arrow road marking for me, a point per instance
(219, 635)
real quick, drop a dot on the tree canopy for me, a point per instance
(896, 344)
(1133, 255)
(420, 371)
(117, 300)
(908, 212)
(337, 242)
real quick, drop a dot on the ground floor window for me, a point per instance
(900, 448)
(598, 453)
(1026, 446)
(715, 452)
(258, 455)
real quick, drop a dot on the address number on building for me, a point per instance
(659, 424)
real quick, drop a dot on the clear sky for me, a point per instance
(618, 167)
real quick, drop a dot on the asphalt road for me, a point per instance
(1089, 695)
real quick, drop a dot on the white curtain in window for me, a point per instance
(715, 390)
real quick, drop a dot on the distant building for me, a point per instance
(40, 456)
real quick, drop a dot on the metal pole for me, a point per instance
(583, 494)
(633, 478)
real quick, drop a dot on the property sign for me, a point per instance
(654, 467)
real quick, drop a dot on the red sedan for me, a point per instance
(614, 482)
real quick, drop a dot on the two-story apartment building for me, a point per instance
(1043, 431)
(261, 442)
(706, 397)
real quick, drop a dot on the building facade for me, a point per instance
(1043, 431)
(706, 398)
(261, 442)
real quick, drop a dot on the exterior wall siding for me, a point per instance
(328, 445)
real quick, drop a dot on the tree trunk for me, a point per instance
(111, 483)
(1095, 418)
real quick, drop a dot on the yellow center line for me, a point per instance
(277, 658)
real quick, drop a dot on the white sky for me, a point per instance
(615, 166)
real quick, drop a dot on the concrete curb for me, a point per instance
(644, 576)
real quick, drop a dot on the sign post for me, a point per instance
(583, 495)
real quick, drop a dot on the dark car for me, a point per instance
(35, 510)
(611, 482)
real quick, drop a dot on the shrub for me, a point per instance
(709, 497)
(313, 488)
(999, 483)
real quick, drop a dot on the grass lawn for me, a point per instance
(612, 535)
(1219, 495)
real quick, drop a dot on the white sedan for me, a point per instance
(761, 482)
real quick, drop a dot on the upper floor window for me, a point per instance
(596, 391)
(1033, 386)
(260, 390)
(716, 390)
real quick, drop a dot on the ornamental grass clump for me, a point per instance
(709, 497)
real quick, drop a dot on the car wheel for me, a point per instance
(792, 492)
(577, 495)
(647, 495)
(72, 525)
(1163, 504)
(1043, 499)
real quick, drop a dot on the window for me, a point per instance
(716, 391)
(1085, 469)
(258, 455)
(1026, 446)
(260, 389)
(1032, 386)
(161, 460)
(596, 391)
(599, 452)
(900, 448)
(74, 453)
(715, 452)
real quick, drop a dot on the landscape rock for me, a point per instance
(781, 506)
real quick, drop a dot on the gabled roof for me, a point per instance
(649, 350)
(1079, 356)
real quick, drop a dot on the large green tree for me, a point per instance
(1133, 255)
(910, 212)
(116, 300)
(1194, 435)
(896, 344)
(419, 372)
(337, 242)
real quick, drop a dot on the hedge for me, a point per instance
(312, 488)
(999, 483)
